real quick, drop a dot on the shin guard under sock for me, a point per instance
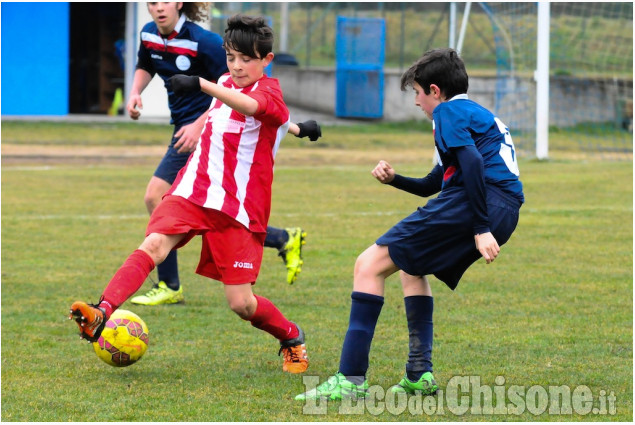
(126, 281)
(365, 309)
(420, 330)
(268, 318)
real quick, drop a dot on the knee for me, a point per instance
(154, 192)
(151, 199)
(242, 306)
(363, 267)
(153, 245)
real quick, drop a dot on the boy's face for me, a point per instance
(165, 15)
(244, 69)
(427, 102)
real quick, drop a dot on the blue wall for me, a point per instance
(35, 58)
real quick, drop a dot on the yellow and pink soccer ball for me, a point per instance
(124, 339)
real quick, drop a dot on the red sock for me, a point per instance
(126, 281)
(268, 318)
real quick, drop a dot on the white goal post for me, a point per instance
(542, 81)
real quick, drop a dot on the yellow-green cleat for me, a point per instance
(160, 294)
(292, 253)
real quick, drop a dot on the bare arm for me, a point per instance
(236, 100)
(141, 80)
(294, 129)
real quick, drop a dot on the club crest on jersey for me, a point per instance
(183, 63)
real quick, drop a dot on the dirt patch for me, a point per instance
(45, 154)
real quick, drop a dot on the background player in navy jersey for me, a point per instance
(475, 212)
(222, 194)
(171, 45)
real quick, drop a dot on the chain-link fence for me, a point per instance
(411, 29)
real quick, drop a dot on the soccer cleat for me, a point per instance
(337, 387)
(294, 352)
(160, 294)
(426, 385)
(90, 319)
(291, 253)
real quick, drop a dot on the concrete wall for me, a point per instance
(572, 100)
(314, 89)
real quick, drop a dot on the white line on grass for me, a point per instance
(30, 168)
(70, 217)
(291, 215)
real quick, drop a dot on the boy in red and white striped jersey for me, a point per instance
(223, 193)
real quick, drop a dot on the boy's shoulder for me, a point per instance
(270, 86)
(462, 103)
(463, 113)
(269, 82)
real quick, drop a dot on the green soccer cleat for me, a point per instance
(426, 385)
(160, 294)
(292, 253)
(336, 387)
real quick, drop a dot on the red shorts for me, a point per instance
(230, 252)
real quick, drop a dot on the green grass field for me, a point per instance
(555, 310)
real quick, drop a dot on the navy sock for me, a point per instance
(168, 271)
(276, 238)
(419, 314)
(365, 309)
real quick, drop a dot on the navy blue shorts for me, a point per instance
(438, 238)
(172, 161)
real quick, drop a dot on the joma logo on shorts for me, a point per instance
(241, 265)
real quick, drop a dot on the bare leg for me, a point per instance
(372, 268)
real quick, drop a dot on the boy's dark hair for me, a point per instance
(442, 67)
(249, 35)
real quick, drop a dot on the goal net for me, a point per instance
(590, 75)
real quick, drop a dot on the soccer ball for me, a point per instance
(124, 339)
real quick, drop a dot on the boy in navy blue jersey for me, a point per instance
(475, 212)
(171, 45)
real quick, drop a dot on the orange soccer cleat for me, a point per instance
(90, 319)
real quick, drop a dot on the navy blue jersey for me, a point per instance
(189, 50)
(461, 122)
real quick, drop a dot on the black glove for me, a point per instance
(310, 128)
(183, 84)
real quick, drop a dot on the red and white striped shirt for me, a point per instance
(231, 169)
